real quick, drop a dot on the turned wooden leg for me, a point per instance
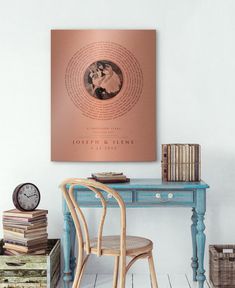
(72, 241)
(152, 272)
(67, 250)
(201, 237)
(194, 264)
(115, 272)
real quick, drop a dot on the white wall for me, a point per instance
(196, 99)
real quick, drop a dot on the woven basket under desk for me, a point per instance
(222, 266)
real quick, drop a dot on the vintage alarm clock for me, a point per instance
(26, 197)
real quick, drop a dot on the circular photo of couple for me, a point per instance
(103, 79)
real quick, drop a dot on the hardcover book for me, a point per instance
(25, 214)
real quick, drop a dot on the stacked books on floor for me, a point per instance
(25, 232)
(181, 162)
(110, 177)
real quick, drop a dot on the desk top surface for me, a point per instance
(154, 183)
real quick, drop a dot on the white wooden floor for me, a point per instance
(140, 281)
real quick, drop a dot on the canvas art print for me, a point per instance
(103, 95)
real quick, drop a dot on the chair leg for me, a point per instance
(77, 277)
(122, 273)
(77, 283)
(152, 271)
(115, 272)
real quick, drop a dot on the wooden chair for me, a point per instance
(119, 246)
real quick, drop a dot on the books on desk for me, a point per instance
(181, 162)
(110, 177)
(25, 232)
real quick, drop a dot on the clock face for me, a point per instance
(28, 196)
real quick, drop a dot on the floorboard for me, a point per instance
(194, 284)
(163, 281)
(106, 280)
(178, 281)
(208, 284)
(88, 281)
(140, 281)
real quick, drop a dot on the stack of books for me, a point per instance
(181, 162)
(110, 177)
(25, 232)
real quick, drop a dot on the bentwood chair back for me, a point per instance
(119, 246)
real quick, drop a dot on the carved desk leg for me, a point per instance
(201, 237)
(72, 256)
(67, 250)
(194, 264)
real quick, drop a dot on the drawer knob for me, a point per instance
(110, 196)
(97, 196)
(158, 195)
(170, 195)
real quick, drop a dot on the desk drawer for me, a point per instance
(90, 197)
(165, 197)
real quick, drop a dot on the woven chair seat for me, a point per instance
(111, 245)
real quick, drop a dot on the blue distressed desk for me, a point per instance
(147, 193)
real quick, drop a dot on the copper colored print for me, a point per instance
(103, 95)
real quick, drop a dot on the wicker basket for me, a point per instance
(222, 266)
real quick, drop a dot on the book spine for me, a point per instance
(196, 165)
(172, 162)
(193, 163)
(186, 163)
(183, 167)
(169, 162)
(15, 247)
(190, 163)
(23, 216)
(164, 163)
(180, 162)
(199, 166)
(176, 162)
